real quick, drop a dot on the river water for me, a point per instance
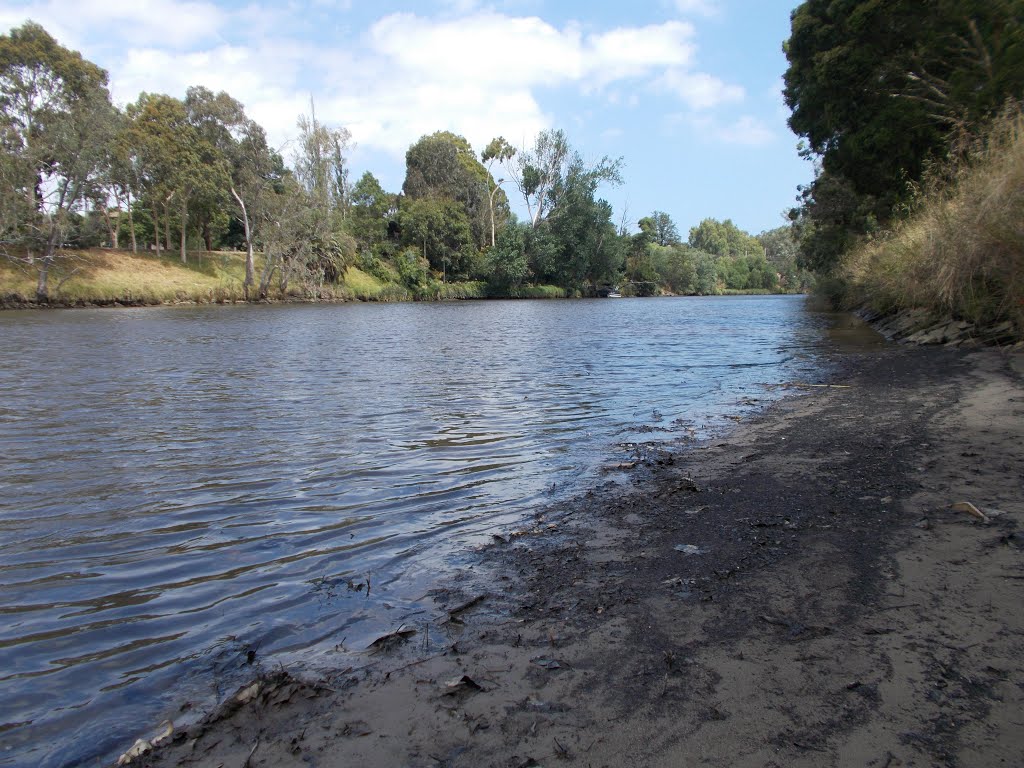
(183, 488)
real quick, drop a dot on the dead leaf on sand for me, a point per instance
(464, 684)
(970, 509)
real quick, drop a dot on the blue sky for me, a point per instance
(686, 91)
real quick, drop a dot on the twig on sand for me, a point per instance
(251, 753)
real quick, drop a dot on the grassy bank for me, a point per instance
(108, 277)
(961, 253)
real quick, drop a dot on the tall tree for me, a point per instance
(169, 162)
(663, 229)
(547, 172)
(878, 90)
(57, 122)
(371, 207)
(498, 151)
(723, 238)
(444, 166)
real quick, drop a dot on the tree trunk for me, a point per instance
(156, 230)
(167, 225)
(269, 265)
(250, 267)
(207, 236)
(184, 222)
(131, 225)
(42, 290)
(110, 226)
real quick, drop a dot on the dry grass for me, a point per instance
(106, 276)
(962, 252)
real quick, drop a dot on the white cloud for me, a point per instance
(748, 131)
(479, 73)
(699, 90)
(177, 23)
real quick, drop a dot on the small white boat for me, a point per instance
(614, 295)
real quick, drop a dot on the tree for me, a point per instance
(722, 238)
(439, 227)
(879, 90)
(675, 267)
(444, 166)
(499, 151)
(371, 207)
(57, 124)
(544, 174)
(663, 230)
(321, 170)
(508, 263)
(321, 166)
(164, 146)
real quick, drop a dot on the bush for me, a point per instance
(961, 252)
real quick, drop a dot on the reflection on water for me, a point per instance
(179, 487)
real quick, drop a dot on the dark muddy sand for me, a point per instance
(799, 593)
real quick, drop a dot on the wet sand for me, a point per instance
(799, 593)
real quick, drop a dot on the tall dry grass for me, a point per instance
(962, 250)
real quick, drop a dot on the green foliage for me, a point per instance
(57, 125)
(440, 228)
(413, 270)
(371, 209)
(443, 166)
(879, 90)
(706, 281)
(676, 268)
(723, 238)
(508, 263)
(660, 228)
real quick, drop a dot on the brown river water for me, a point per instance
(183, 488)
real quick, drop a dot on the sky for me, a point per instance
(687, 92)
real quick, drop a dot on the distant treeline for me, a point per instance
(180, 175)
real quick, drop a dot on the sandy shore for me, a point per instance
(798, 594)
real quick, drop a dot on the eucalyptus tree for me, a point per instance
(57, 122)
(547, 174)
(499, 151)
(164, 147)
(244, 171)
(321, 166)
(321, 170)
(576, 244)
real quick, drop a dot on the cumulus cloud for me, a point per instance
(700, 90)
(475, 71)
(748, 131)
(745, 131)
(175, 23)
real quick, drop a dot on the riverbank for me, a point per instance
(800, 593)
(102, 277)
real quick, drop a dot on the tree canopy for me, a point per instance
(878, 90)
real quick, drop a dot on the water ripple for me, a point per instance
(181, 486)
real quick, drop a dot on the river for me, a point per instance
(184, 488)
